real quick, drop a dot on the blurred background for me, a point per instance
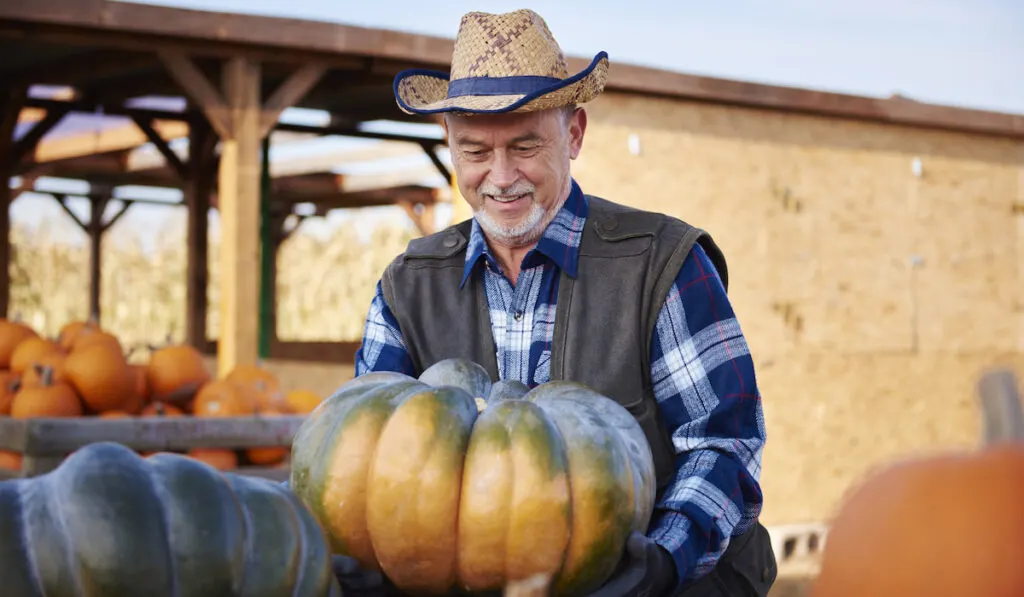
(861, 165)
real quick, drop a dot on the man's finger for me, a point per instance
(636, 547)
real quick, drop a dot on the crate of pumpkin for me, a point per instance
(81, 387)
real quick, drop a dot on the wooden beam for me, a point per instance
(421, 214)
(30, 139)
(146, 126)
(199, 88)
(288, 93)
(431, 150)
(119, 138)
(238, 200)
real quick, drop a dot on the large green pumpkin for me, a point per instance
(108, 523)
(410, 477)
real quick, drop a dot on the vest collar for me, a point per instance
(560, 242)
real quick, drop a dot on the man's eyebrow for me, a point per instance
(525, 138)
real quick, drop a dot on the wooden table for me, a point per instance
(45, 442)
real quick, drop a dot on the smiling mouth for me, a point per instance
(507, 198)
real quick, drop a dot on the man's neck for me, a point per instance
(510, 258)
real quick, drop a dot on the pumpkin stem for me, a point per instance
(46, 373)
(1002, 415)
(14, 385)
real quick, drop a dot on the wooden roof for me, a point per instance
(108, 46)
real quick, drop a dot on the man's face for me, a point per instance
(513, 169)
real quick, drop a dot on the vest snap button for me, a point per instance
(451, 241)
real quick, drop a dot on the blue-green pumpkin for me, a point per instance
(109, 523)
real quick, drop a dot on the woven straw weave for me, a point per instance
(501, 45)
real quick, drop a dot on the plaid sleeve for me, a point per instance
(383, 348)
(704, 382)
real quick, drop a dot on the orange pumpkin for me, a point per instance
(267, 455)
(101, 376)
(302, 402)
(30, 351)
(48, 399)
(175, 373)
(218, 458)
(70, 331)
(948, 524)
(10, 460)
(115, 414)
(161, 409)
(10, 383)
(93, 336)
(53, 361)
(221, 398)
(12, 334)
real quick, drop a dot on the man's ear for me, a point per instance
(577, 128)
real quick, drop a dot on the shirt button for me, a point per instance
(518, 315)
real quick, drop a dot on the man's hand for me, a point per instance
(648, 571)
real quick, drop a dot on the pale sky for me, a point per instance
(954, 52)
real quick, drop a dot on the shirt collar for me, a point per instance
(560, 242)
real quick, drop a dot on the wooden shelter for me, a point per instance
(239, 73)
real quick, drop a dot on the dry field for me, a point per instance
(324, 286)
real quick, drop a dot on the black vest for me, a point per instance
(604, 317)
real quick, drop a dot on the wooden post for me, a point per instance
(95, 228)
(200, 174)
(238, 201)
(10, 107)
(242, 120)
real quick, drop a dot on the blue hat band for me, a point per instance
(517, 85)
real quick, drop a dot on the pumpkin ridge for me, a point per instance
(309, 555)
(162, 494)
(109, 470)
(368, 414)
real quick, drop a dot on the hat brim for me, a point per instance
(421, 91)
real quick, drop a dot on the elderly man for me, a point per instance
(546, 282)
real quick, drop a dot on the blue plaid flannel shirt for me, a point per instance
(701, 369)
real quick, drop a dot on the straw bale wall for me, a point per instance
(871, 297)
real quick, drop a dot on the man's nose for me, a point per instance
(504, 172)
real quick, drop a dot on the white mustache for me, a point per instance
(506, 194)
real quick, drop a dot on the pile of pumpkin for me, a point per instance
(86, 372)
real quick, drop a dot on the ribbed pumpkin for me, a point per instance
(175, 373)
(70, 331)
(108, 523)
(54, 361)
(12, 334)
(101, 376)
(10, 383)
(222, 398)
(46, 399)
(409, 479)
(30, 351)
(949, 524)
(302, 402)
(266, 386)
(94, 336)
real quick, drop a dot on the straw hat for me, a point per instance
(506, 62)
